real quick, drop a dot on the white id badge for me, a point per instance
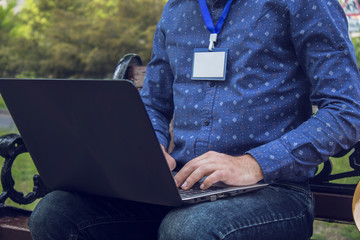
(209, 65)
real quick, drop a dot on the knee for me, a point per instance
(184, 225)
(49, 220)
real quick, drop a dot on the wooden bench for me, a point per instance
(333, 200)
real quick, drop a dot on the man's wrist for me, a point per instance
(254, 166)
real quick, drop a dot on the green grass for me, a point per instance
(334, 231)
(2, 103)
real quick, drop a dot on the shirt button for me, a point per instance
(207, 123)
(341, 48)
(212, 84)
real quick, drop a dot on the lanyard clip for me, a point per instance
(212, 40)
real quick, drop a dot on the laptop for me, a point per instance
(95, 136)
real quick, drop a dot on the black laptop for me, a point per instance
(95, 136)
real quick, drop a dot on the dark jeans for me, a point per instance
(281, 211)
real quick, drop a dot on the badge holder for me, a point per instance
(209, 65)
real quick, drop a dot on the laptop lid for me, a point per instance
(95, 136)
(91, 135)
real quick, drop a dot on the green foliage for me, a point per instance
(6, 24)
(76, 38)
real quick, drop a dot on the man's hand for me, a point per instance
(236, 171)
(170, 160)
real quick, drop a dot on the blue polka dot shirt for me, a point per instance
(285, 56)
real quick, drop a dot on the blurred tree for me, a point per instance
(77, 38)
(19, 51)
(6, 24)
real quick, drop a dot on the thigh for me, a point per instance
(67, 215)
(283, 211)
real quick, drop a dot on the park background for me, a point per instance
(85, 39)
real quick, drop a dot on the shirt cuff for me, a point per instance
(162, 140)
(274, 160)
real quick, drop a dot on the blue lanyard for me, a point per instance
(207, 17)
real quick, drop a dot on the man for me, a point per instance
(255, 124)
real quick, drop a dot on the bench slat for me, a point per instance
(14, 228)
(333, 207)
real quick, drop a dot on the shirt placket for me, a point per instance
(203, 140)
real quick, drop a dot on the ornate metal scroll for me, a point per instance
(321, 182)
(11, 146)
(122, 67)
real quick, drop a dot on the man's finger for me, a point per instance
(196, 176)
(189, 168)
(213, 178)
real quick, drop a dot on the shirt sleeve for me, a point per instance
(327, 56)
(157, 89)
